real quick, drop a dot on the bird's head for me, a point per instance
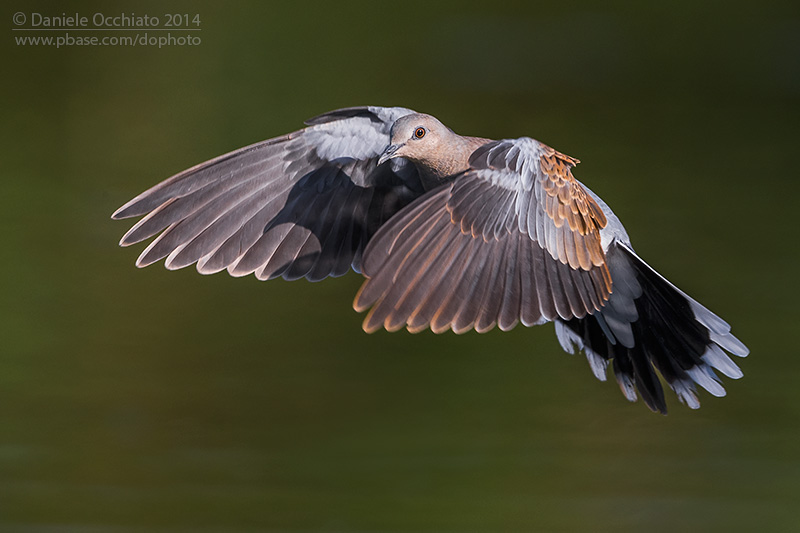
(416, 137)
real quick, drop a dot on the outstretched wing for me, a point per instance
(301, 205)
(515, 238)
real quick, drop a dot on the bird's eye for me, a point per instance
(419, 133)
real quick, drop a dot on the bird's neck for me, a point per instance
(455, 160)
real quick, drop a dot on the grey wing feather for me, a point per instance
(300, 205)
(542, 200)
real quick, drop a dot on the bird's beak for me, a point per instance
(389, 153)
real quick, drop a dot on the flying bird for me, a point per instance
(450, 232)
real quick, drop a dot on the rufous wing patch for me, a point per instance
(577, 217)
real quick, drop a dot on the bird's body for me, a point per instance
(451, 232)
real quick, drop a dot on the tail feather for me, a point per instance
(668, 334)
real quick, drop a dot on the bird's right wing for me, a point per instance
(301, 205)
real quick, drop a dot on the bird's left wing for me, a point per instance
(514, 238)
(301, 205)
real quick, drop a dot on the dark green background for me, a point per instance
(147, 400)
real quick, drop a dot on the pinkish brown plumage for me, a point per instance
(439, 153)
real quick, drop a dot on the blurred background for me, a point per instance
(146, 400)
